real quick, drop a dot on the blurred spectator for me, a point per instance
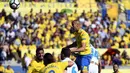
(3, 12)
(116, 59)
(41, 12)
(17, 41)
(11, 34)
(24, 63)
(14, 52)
(25, 21)
(19, 18)
(61, 0)
(56, 15)
(3, 54)
(106, 60)
(9, 69)
(2, 69)
(7, 25)
(116, 68)
(26, 60)
(68, 1)
(2, 36)
(15, 14)
(125, 58)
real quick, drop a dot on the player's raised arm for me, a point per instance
(82, 48)
(65, 56)
(74, 44)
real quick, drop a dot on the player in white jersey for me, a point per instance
(95, 61)
(65, 56)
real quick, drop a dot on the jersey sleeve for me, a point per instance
(12, 71)
(3, 69)
(85, 37)
(63, 65)
(30, 68)
(98, 55)
(41, 71)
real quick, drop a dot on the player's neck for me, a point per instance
(116, 71)
(38, 60)
(66, 58)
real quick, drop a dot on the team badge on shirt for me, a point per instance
(52, 71)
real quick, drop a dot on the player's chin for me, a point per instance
(41, 58)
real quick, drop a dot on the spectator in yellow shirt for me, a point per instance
(2, 20)
(9, 70)
(75, 14)
(1, 68)
(123, 25)
(14, 52)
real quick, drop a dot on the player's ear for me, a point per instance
(80, 25)
(62, 56)
(54, 59)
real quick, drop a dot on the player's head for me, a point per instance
(76, 25)
(48, 58)
(39, 53)
(115, 67)
(8, 67)
(65, 53)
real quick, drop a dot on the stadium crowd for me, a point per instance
(52, 31)
(44, 0)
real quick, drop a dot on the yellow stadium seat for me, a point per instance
(126, 4)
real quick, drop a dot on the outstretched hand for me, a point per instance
(73, 49)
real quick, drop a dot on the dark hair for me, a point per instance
(38, 49)
(48, 58)
(73, 22)
(115, 64)
(66, 52)
(8, 66)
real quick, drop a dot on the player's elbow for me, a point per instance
(83, 49)
(70, 63)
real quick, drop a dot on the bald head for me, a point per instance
(76, 22)
(76, 25)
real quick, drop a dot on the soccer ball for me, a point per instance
(14, 4)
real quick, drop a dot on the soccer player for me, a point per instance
(65, 56)
(94, 66)
(82, 46)
(9, 69)
(37, 63)
(52, 66)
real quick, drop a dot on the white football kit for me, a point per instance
(72, 69)
(93, 67)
